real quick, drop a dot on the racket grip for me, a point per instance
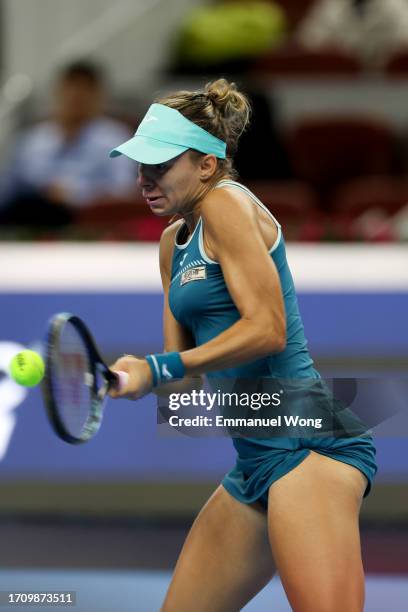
(122, 380)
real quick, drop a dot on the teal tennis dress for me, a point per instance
(200, 301)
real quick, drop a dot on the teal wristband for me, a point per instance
(165, 367)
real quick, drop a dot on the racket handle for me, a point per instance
(122, 380)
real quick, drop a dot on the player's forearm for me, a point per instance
(244, 341)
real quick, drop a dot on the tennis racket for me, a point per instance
(76, 380)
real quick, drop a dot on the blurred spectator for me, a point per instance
(372, 29)
(62, 164)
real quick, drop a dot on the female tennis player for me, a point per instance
(231, 310)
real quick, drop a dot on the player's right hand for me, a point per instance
(140, 380)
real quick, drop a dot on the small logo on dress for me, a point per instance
(193, 274)
(165, 372)
(151, 118)
(183, 258)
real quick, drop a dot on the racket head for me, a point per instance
(76, 379)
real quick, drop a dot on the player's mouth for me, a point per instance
(153, 200)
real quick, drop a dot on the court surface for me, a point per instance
(143, 591)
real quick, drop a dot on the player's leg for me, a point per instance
(226, 558)
(314, 533)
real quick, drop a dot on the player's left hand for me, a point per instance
(140, 377)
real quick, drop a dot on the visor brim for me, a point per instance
(148, 150)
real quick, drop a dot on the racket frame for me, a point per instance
(97, 366)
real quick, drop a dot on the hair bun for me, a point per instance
(233, 106)
(226, 97)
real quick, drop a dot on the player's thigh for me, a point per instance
(314, 533)
(226, 558)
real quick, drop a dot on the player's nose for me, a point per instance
(145, 178)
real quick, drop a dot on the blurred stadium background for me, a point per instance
(327, 152)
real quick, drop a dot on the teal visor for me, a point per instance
(165, 133)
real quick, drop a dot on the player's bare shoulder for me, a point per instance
(224, 205)
(227, 217)
(230, 211)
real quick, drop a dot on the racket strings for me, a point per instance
(73, 380)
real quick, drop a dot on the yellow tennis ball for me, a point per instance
(27, 368)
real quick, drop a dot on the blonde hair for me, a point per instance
(221, 109)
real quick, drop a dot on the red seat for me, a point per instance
(294, 205)
(380, 192)
(326, 151)
(120, 220)
(284, 198)
(294, 60)
(362, 208)
(147, 228)
(105, 214)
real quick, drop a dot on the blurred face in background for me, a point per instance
(78, 99)
(176, 186)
